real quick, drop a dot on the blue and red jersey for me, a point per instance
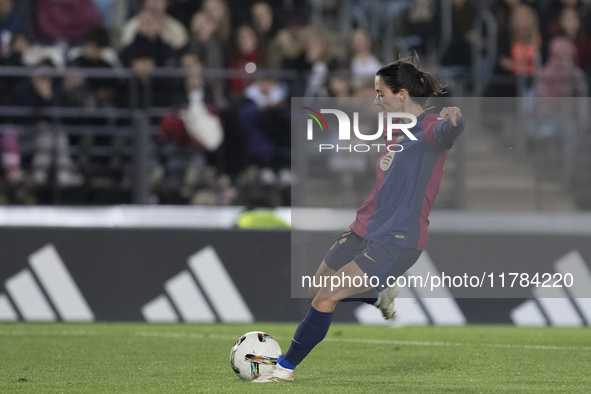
(397, 208)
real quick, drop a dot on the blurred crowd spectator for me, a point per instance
(214, 51)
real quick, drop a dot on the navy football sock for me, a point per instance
(369, 297)
(309, 333)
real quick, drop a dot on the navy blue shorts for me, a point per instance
(373, 258)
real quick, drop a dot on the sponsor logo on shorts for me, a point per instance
(366, 255)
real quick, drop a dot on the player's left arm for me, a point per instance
(442, 131)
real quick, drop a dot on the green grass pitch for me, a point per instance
(144, 358)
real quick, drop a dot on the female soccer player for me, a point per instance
(390, 229)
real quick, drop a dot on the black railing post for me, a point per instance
(54, 167)
(141, 187)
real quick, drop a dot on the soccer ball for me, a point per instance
(254, 354)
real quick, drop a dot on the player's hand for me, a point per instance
(451, 114)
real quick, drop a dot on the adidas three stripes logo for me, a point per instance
(200, 293)
(57, 297)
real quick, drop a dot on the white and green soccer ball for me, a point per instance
(254, 354)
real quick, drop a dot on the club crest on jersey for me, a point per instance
(387, 160)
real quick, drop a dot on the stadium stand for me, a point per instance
(93, 94)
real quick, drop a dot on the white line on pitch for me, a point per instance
(330, 339)
(374, 341)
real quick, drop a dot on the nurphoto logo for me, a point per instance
(344, 131)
